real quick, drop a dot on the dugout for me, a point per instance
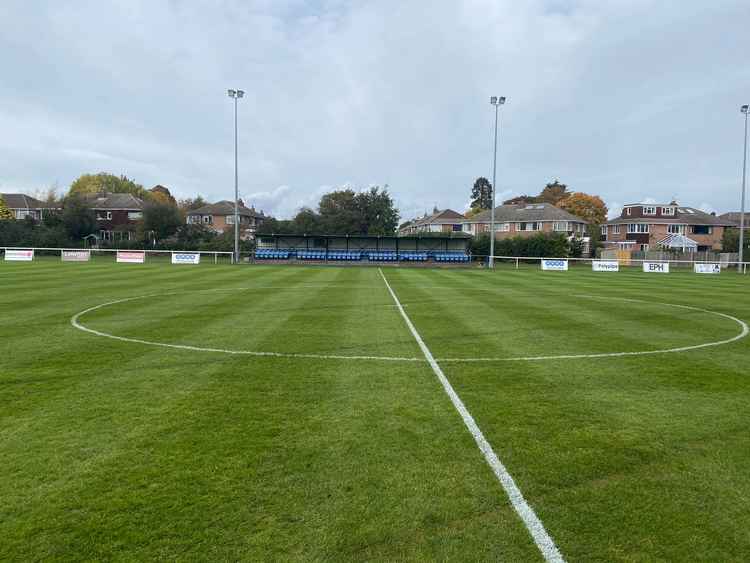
(431, 244)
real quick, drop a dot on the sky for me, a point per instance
(635, 100)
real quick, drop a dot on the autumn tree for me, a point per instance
(160, 194)
(5, 213)
(553, 193)
(590, 208)
(481, 194)
(105, 182)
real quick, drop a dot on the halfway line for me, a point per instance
(535, 527)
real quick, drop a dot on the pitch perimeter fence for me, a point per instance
(655, 264)
(112, 255)
(648, 265)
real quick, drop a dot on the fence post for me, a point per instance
(516, 263)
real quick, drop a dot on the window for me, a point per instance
(604, 230)
(208, 219)
(649, 210)
(676, 229)
(528, 226)
(644, 248)
(615, 229)
(454, 228)
(134, 215)
(502, 227)
(627, 211)
(667, 210)
(638, 227)
(702, 229)
(229, 220)
(563, 226)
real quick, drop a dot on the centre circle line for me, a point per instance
(77, 324)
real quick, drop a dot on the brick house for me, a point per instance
(117, 215)
(643, 226)
(526, 219)
(445, 221)
(22, 206)
(220, 216)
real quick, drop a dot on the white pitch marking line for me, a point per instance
(743, 333)
(76, 324)
(535, 527)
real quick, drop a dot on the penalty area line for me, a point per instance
(533, 524)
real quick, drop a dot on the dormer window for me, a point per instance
(627, 211)
(649, 210)
(667, 210)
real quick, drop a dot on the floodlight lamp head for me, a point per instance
(744, 108)
(231, 93)
(240, 93)
(501, 101)
(493, 100)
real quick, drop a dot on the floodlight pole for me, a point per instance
(497, 102)
(236, 95)
(743, 109)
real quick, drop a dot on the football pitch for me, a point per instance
(222, 412)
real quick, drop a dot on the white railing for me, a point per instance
(625, 262)
(210, 254)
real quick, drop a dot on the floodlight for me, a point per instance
(501, 100)
(493, 100)
(240, 93)
(744, 108)
(231, 93)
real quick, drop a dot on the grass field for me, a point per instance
(114, 449)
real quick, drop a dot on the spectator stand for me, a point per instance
(442, 250)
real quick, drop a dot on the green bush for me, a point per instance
(538, 245)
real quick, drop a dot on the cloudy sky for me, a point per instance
(630, 99)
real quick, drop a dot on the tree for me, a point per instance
(553, 193)
(590, 208)
(521, 199)
(481, 194)
(377, 213)
(190, 204)
(105, 182)
(192, 236)
(161, 194)
(730, 240)
(77, 218)
(344, 212)
(340, 212)
(307, 221)
(5, 213)
(161, 219)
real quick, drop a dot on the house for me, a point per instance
(644, 226)
(445, 221)
(734, 218)
(526, 219)
(220, 216)
(117, 215)
(22, 206)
